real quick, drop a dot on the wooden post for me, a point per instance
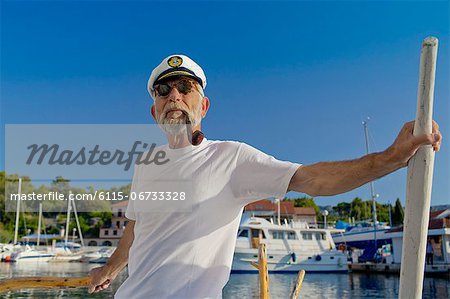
(420, 176)
(298, 284)
(263, 272)
(18, 283)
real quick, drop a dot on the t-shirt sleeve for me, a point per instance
(258, 175)
(130, 212)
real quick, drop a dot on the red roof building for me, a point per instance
(268, 209)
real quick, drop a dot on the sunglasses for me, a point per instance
(183, 86)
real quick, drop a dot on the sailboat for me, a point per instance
(69, 251)
(55, 254)
(26, 253)
(367, 236)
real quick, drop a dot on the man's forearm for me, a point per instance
(331, 178)
(119, 259)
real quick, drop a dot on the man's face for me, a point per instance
(176, 101)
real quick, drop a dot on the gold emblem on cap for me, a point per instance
(175, 61)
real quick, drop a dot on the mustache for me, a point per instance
(174, 107)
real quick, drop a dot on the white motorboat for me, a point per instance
(31, 255)
(290, 248)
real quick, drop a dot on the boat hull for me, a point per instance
(33, 258)
(283, 263)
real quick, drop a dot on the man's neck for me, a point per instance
(178, 141)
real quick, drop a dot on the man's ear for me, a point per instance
(152, 110)
(205, 106)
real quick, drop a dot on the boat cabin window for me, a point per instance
(278, 235)
(307, 236)
(321, 236)
(244, 233)
(291, 235)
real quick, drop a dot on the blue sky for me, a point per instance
(294, 79)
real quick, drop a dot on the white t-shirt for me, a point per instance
(185, 249)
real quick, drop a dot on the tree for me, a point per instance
(358, 209)
(398, 214)
(343, 209)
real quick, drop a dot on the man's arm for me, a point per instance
(102, 277)
(331, 178)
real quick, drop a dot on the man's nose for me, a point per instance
(174, 95)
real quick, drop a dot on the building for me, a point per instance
(438, 236)
(306, 214)
(110, 236)
(268, 209)
(118, 222)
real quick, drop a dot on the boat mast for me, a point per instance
(66, 238)
(39, 225)
(16, 229)
(372, 188)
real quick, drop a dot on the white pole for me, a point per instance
(420, 177)
(278, 211)
(16, 228)
(325, 214)
(39, 225)
(66, 238)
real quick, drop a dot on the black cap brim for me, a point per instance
(177, 72)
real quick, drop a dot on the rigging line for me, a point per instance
(372, 138)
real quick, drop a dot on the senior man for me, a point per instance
(186, 251)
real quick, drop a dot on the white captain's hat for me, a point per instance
(175, 66)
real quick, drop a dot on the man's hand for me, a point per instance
(101, 278)
(406, 144)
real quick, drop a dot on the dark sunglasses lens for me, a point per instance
(163, 89)
(184, 86)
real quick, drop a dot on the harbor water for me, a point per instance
(351, 285)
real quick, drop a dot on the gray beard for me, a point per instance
(178, 126)
(175, 127)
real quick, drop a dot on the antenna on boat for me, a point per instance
(278, 211)
(372, 188)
